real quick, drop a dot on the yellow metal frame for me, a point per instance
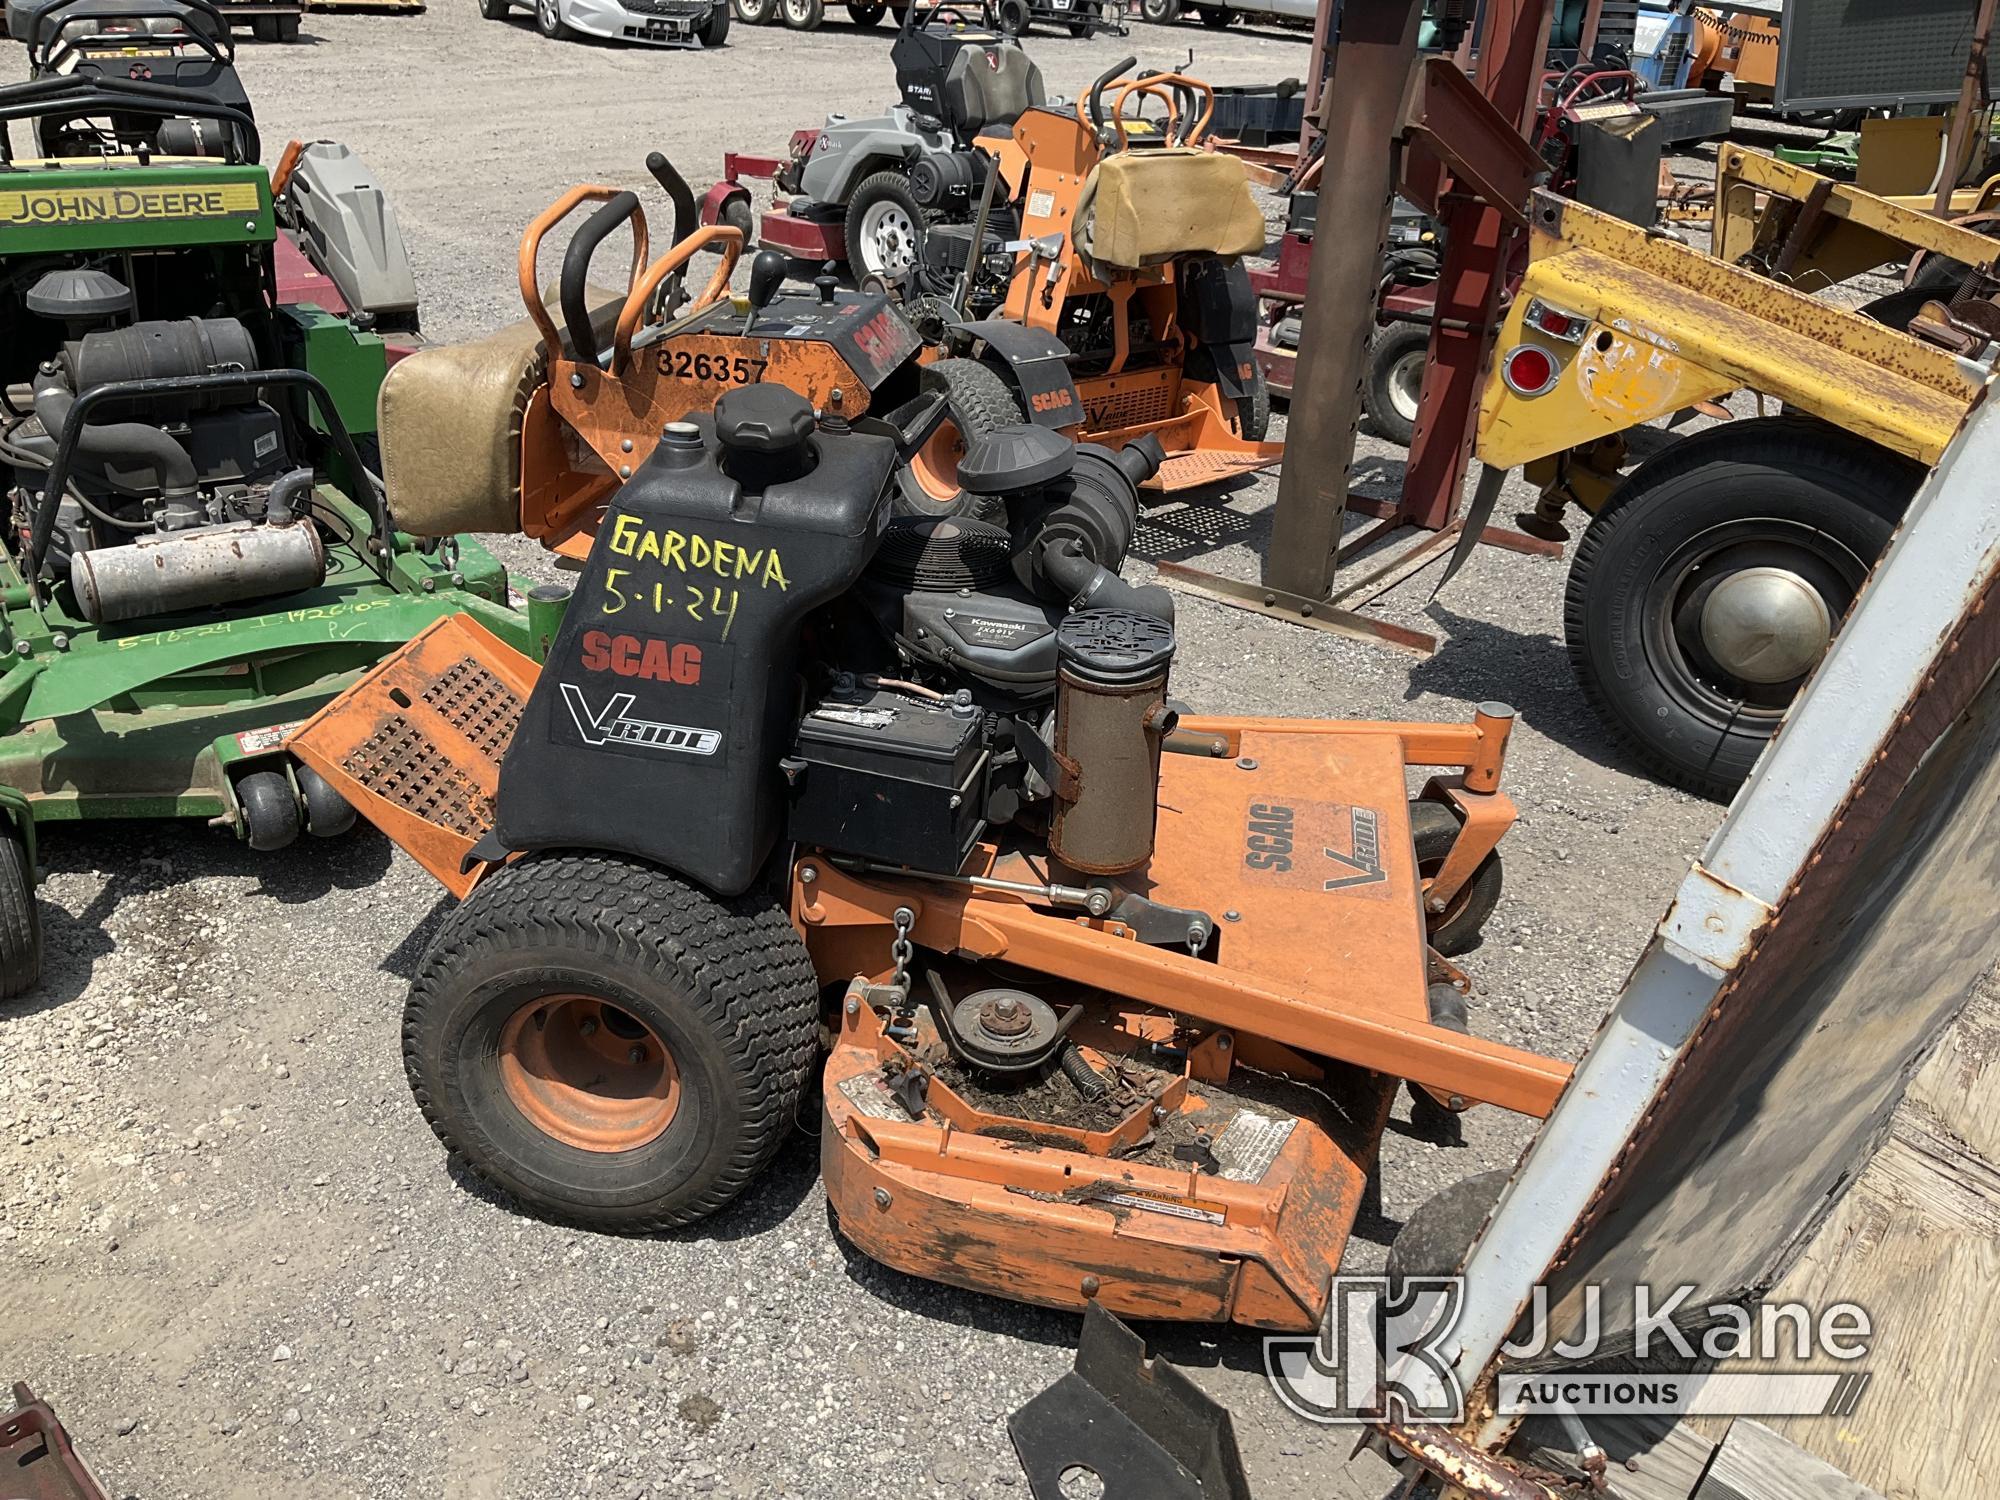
(1759, 200)
(1670, 326)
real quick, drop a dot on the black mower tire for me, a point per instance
(725, 982)
(1253, 407)
(1389, 355)
(866, 16)
(878, 188)
(1014, 17)
(549, 21)
(1082, 29)
(802, 15)
(1160, 12)
(1820, 501)
(20, 920)
(271, 815)
(754, 12)
(1434, 1239)
(715, 30)
(496, 10)
(328, 814)
(978, 399)
(1434, 829)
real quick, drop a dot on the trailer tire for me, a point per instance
(271, 816)
(977, 400)
(1433, 830)
(713, 999)
(1694, 680)
(802, 15)
(754, 12)
(1160, 12)
(866, 16)
(20, 919)
(1396, 358)
(1014, 17)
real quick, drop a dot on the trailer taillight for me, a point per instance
(1555, 322)
(1529, 370)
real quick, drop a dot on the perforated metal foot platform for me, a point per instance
(416, 744)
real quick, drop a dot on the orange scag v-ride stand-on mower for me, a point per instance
(1112, 1000)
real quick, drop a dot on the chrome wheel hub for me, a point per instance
(1766, 625)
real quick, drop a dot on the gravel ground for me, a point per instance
(234, 1255)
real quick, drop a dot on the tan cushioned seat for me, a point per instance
(1147, 206)
(449, 421)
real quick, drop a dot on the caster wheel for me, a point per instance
(328, 814)
(271, 817)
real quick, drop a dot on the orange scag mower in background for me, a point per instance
(1077, 265)
(1105, 1002)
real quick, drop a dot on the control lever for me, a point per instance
(767, 274)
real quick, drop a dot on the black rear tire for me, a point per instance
(1796, 498)
(725, 984)
(1014, 17)
(802, 15)
(20, 920)
(1395, 354)
(977, 400)
(715, 30)
(884, 227)
(1434, 829)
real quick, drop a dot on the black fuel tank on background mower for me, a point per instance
(669, 695)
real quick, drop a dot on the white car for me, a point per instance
(659, 23)
(1222, 12)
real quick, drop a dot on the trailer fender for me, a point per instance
(1037, 362)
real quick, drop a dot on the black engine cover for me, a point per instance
(670, 694)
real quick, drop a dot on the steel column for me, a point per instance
(1513, 51)
(1359, 112)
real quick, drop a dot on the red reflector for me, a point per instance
(1529, 371)
(1556, 324)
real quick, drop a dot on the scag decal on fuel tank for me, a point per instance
(645, 657)
(1323, 846)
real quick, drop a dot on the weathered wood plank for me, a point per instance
(1754, 1463)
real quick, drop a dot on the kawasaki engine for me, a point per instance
(176, 500)
(759, 650)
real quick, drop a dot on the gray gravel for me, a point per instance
(234, 1256)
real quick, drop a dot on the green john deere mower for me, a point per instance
(198, 554)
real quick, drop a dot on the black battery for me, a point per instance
(889, 777)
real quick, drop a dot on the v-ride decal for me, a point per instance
(613, 725)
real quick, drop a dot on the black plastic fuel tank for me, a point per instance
(670, 691)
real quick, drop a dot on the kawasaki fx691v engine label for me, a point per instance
(1327, 846)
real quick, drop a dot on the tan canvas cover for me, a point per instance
(1149, 205)
(449, 421)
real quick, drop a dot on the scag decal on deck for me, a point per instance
(1324, 846)
(112, 205)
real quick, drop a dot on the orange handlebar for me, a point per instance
(726, 236)
(1164, 81)
(1141, 87)
(288, 163)
(531, 249)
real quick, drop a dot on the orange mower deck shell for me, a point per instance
(961, 1197)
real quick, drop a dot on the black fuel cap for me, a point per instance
(1013, 458)
(763, 419)
(1114, 647)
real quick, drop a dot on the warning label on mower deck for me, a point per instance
(111, 205)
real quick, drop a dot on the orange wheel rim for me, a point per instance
(588, 1074)
(935, 465)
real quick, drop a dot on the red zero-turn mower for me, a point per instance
(1112, 1000)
